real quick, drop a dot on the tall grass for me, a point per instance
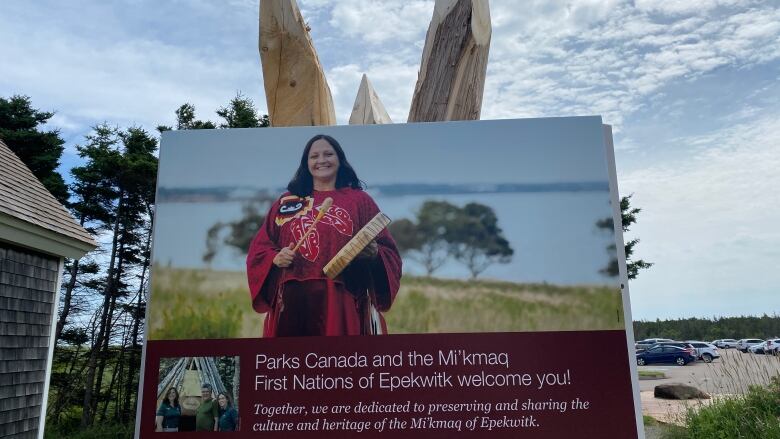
(188, 304)
(430, 305)
(754, 415)
(200, 304)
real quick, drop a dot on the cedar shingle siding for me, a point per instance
(28, 281)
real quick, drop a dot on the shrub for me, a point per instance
(754, 415)
(102, 431)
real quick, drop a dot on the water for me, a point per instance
(553, 234)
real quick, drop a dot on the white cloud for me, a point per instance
(709, 221)
(608, 58)
(381, 21)
(119, 77)
(681, 7)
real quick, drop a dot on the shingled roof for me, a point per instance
(30, 214)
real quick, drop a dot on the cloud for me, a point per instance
(608, 57)
(129, 75)
(377, 22)
(709, 220)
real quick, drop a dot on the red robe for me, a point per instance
(299, 299)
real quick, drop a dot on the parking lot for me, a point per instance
(733, 373)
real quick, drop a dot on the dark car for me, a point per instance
(646, 343)
(665, 354)
(680, 344)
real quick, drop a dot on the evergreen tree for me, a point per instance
(93, 192)
(628, 216)
(185, 120)
(134, 181)
(40, 150)
(241, 113)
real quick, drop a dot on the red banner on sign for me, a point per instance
(538, 385)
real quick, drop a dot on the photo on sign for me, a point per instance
(197, 394)
(494, 226)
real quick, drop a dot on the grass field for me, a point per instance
(188, 304)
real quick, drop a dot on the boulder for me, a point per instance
(679, 391)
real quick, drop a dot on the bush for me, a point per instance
(755, 415)
(113, 431)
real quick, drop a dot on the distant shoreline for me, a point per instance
(237, 193)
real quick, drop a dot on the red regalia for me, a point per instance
(300, 299)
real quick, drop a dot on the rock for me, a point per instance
(679, 391)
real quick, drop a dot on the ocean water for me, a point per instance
(553, 234)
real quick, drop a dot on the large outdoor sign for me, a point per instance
(460, 279)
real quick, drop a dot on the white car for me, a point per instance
(745, 343)
(704, 351)
(772, 346)
(725, 343)
(757, 348)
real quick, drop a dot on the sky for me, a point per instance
(690, 87)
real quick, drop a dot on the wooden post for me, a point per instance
(454, 62)
(368, 109)
(296, 90)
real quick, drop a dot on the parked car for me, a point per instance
(680, 344)
(745, 343)
(704, 351)
(646, 343)
(772, 346)
(757, 348)
(665, 354)
(725, 343)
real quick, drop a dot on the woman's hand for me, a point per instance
(285, 257)
(369, 252)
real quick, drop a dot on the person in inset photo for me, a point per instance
(169, 413)
(228, 416)
(324, 207)
(207, 415)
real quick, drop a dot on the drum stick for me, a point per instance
(323, 208)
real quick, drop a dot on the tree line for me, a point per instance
(99, 325)
(715, 328)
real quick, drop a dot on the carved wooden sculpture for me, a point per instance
(449, 85)
(368, 109)
(454, 62)
(295, 87)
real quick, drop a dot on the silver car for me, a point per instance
(725, 343)
(757, 348)
(745, 343)
(704, 351)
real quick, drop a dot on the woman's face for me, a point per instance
(323, 161)
(222, 401)
(172, 394)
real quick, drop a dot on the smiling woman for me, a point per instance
(324, 207)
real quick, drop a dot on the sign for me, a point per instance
(496, 288)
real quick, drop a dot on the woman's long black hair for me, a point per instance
(302, 183)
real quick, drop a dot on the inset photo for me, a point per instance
(197, 394)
